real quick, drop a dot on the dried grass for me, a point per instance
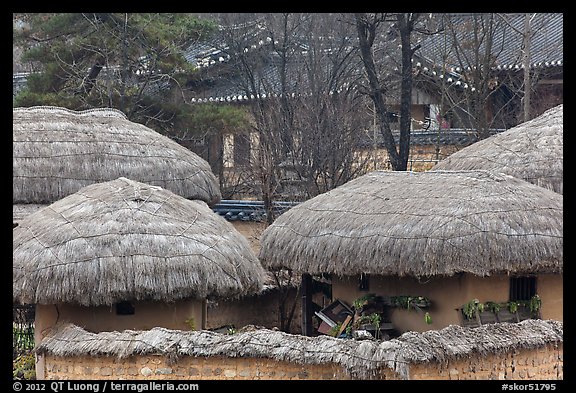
(421, 224)
(124, 240)
(57, 151)
(361, 359)
(533, 151)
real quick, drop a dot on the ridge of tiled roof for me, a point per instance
(546, 43)
(246, 210)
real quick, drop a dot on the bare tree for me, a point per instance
(533, 25)
(308, 117)
(331, 116)
(481, 69)
(375, 30)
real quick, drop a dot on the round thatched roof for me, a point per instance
(421, 224)
(125, 240)
(532, 151)
(57, 151)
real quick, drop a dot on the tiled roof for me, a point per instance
(546, 44)
(267, 79)
(18, 82)
(238, 210)
(431, 137)
(546, 51)
(214, 50)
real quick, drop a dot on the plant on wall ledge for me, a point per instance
(362, 301)
(474, 307)
(513, 306)
(410, 302)
(535, 304)
(416, 303)
(471, 308)
(492, 306)
(335, 329)
(372, 319)
(191, 323)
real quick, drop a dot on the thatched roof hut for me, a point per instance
(361, 359)
(421, 224)
(532, 151)
(125, 240)
(57, 151)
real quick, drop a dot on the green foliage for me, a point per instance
(471, 308)
(410, 302)
(65, 48)
(360, 302)
(22, 338)
(24, 367)
(214, 119)
(349, 330)
(474, 306)
(492, 306)
(373, 319)
(191, 323)
(27, 98)
(335, 329)
(535, 304)
(415, 303)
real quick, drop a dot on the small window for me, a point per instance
(522, 288)
(124, 308)
(364, 283)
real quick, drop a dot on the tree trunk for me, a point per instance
(366, 34)
(526, 64)
(406, 25)
(90, 80)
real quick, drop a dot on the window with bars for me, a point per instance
(522, 288)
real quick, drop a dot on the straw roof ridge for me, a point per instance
(125, 240)
(532, 151)
(47, 109)
(360, 359)
(421, 224)
(57, 151)
(19, 211)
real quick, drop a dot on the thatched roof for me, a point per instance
(57, 151)
(125, 240)
(22, 210)
(532, 151)
(361, 359)
(421, 224)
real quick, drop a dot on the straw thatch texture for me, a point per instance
(57, 151)
(124, 240)
(532, 151)
(361, 359)
(421, 224)
(21, 211)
